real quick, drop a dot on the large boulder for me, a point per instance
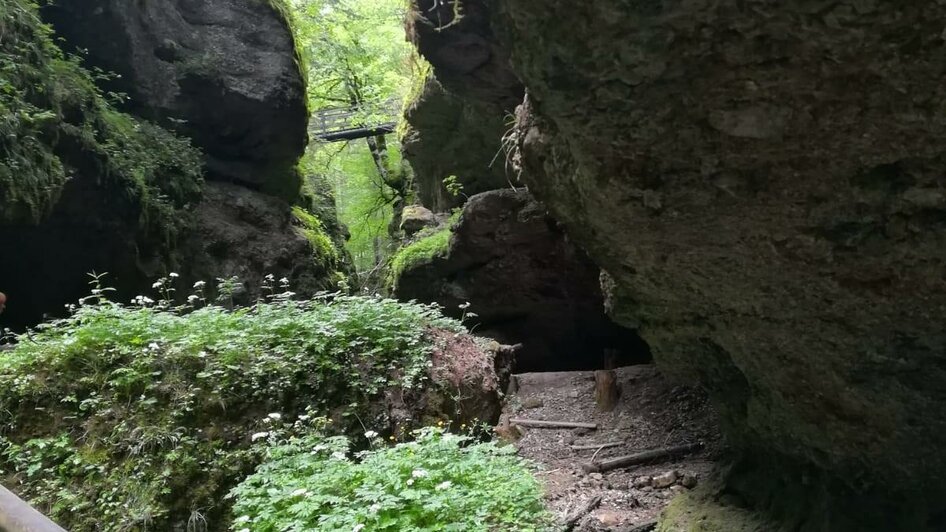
(223, 72)
(514, 275)
(448, 138)
(763, 181)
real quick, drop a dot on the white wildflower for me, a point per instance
(371, 434)
(410, 482)
(200, 284)
(304, 417)
(275, 415)
(244, 530)
(338, 456)
(157, 284)
(419, 473)
(300, 492)
(443, 485)
(173, 275)
(319, 447)
(259, 435)
(153, 346)
(192, 299)
(242, 519)
(284, 280)
(358, 528)
(374, 508)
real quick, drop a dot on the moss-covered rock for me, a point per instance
(133, 418)
(511, 271)
(224, 73)
(82, 186)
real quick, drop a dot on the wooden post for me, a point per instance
(606, 390)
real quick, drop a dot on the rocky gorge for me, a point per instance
(761, 181)
(747, 193)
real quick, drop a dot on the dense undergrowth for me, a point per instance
(124, 417)
(55, 125)
(439, 481)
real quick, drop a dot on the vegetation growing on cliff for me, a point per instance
(144, 415)
(55, 125)
(430, 244)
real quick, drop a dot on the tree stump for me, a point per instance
(606, 390)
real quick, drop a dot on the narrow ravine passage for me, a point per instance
(651, 413)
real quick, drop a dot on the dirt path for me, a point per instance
(652, 413)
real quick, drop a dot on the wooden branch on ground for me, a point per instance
(576, 516)
(539, 424)
(595, 446)
(640, 458)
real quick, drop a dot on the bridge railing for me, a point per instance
(345, 123)
(17, 516)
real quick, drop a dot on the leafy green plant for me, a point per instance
(453, 185)
(140, 416)
(439, 481)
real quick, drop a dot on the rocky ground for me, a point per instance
(651, 413)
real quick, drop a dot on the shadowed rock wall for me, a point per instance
(764, 182)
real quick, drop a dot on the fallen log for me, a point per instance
(652, 455)
(539, 424)
(576, 516)
(593, 447)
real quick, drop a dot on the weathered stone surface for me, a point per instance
(223, 72)
(449, 136)
(242, 233)
(457, 39)
(763, 180)
(525, 282)
(416, 217)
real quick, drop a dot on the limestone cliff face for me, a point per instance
(223, 72)
(763, 181)
(449, 136)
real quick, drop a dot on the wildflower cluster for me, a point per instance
(122, 417)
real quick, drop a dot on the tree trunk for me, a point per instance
(606, 390)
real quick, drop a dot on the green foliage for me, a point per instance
(322, 245)
(441, 481)
(131, 417)
(55, 124)
(355, 51)
(453, 185)
(360, 197)
(428, 246)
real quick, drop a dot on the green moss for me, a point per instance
(324, 251)
(56, 125)
(429, 246)
(700, 512)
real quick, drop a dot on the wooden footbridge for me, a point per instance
(354, 122)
